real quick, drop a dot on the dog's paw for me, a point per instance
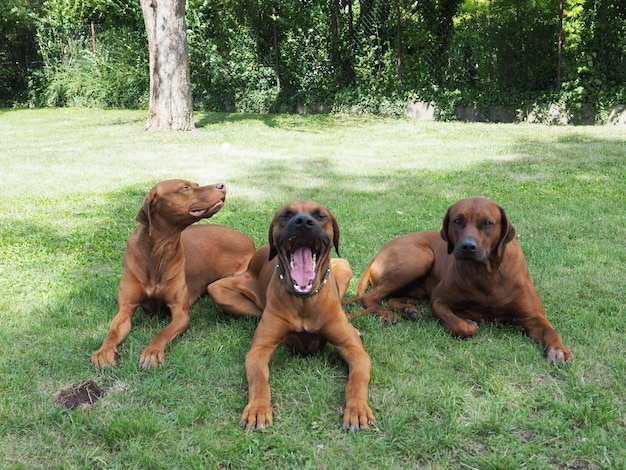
(386, 316)
(256, 417)
(412, 313)
(151, 357)
(463, 328)
(357, 417)
(559, 356)
(472, 327)
(103, 358)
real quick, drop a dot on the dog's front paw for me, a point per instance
(357, 417)
(256, 416)
(103, 358)
(151, 357)
(559, 356)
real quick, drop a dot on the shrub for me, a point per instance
(74, 74)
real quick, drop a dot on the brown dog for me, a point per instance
(296, 288)
(167, 266)
(473, 269)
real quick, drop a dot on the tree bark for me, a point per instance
(171, 104)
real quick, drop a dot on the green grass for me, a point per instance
(73, 180)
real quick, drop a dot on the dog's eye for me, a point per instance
(457, 221)
(285, 216)
(319, 215)
(487, 223)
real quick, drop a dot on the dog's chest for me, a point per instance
(155, 302)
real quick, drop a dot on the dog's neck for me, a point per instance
(281, 275)
(162, 244)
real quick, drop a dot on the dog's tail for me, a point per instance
(364, 283)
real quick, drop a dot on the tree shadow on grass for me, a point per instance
(66, 325)
(416, 200)
(207, 119)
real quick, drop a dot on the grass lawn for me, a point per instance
(72, 181)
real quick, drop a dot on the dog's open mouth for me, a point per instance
(303, 256)
(207, 211)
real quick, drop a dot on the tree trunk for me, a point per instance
(171, 105)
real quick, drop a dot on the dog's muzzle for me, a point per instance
(302, 250)
(469, 248)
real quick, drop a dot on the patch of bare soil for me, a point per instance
(83, 395)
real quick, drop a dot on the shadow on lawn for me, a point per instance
(270, 120)
(554, 197)
(370, 209)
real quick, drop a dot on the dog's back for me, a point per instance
(213, 252)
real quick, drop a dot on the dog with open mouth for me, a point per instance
(168, 263)
(296, 288)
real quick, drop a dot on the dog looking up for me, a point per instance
(168, 265)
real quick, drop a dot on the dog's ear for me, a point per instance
(143, 216)
(335, 233)
(444, 231)
(270, 237)
(507, 232)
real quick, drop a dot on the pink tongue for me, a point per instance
(302, 271)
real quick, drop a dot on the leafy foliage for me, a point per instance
(348, 55)
(99, 70)
(17, 49)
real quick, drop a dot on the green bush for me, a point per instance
(114, 75)
(358, 101)
(456, 54)
(231, 78)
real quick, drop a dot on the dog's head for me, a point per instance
(476, 229)
(180, 203)
(301, 235)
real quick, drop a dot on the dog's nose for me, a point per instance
(220, 186)
(303, 221)
(469, 245)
